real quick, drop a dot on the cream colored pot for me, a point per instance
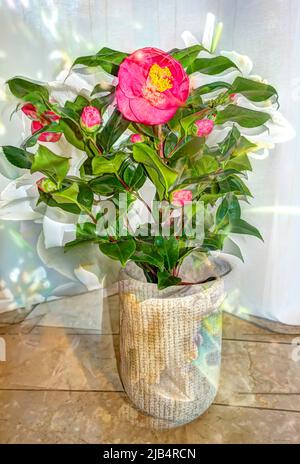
(170, 346)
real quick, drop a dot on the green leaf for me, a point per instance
(206, 164)
(189, 146)
(67, 195)
(253, 90)
(239, 163)
(231, 248)
(18, 157)
(147, 253)
(243, 116)
(211, 66)
(239, 226)
(20, 87)
(121, 250)
(112, 130)
(186, 56)
(53, 166)
(85, 196)
(229, 207)
(102, 165)
(161, 175)
(106, 58)
(85, 232)
(106, 185)
(72, 133)
(165, 279)
(74, 108)
(211, 87)
(168, 248)
(100, 88)
(170, 143)
(235, 185)
(133, 175)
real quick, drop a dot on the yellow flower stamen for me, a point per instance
(161, 78)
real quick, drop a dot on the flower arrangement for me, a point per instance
(185, 122)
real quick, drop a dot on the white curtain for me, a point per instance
(40, 37)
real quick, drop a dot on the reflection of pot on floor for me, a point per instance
(170, 345)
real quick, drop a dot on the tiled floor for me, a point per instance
(60, 382)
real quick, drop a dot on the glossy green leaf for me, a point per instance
(18, 157)
(112, 130)
(253, 90)
(106, 185)
(161, 175)
(133, 175)
(211, 66)
(242, 116)
(211, 87)
(186, 56)
(106, 58)
(53, 166)
(239, 226)
(121, 250)
(108, 165)
(67, 195)
(189, 146)
(20, 87)
(168, 248)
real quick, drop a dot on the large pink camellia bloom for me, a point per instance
(152, 86)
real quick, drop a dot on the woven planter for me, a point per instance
(170, 346)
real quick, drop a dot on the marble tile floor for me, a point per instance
(60, 382)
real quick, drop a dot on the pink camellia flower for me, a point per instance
(30, 110)
(136, 138)
(90, 118)
(152, 86)
(45, 136)
(204, 127)
(181, 197)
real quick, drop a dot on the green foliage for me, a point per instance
(18, 157)
(171, 157)
(50, 164)
(106, 58)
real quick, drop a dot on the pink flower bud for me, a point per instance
(45, 136)
(30, 110)
(233, 97)
(39, 184)
(46, 185)
(204, 127)
(50, 116)
(90, 118)
(136, 138)
(181, 197)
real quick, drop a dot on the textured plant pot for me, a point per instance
(170, 346)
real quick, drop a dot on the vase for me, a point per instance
(170, 346)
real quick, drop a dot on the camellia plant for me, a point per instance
(152, 126)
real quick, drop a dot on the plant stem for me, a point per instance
(161, 140)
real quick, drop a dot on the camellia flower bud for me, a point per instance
(181, 197)
(233, 97)
(30, 110)
(90, 118)
(136, 138)
(45, 136)
(46, 185)
(204, 127)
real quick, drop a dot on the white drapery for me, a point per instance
(39, 37)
